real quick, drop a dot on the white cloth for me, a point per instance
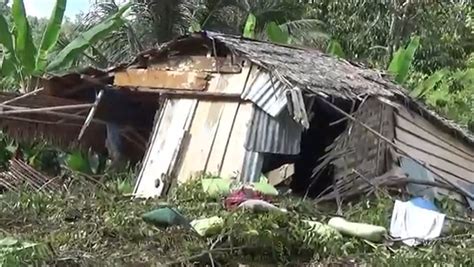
(414, 224)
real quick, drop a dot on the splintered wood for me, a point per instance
(178, 80)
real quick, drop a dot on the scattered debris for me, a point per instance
(20, 174)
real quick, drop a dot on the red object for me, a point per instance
(237, 197)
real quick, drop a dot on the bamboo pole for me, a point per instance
(23, 110)
(91, 114)
(22, 96)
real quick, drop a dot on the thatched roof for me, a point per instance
(312, 71)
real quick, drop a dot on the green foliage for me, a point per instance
(249, 28)
(79, 162)
(334, 48)
(14, 252)
(403, 59)
(276, 35)
(24, 46)
(106, 226)
(50, 35)
(85, 39)
(22, 61)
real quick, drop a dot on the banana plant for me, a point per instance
(24, 61)
(402, 60)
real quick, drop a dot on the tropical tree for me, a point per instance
(23, 61)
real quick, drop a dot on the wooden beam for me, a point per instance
(178, 80)
(191, 94)
(199, 63)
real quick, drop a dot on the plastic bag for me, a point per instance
(208, 226)
(366, 231)
(164, 217)
(216, 187)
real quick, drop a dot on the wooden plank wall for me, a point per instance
(193, 135)
(215, 143)
(448, 156)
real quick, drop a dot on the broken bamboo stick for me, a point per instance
(22, 96)
(91, 114)
(385, 139)
(23, 110)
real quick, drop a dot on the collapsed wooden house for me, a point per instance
(234, 107)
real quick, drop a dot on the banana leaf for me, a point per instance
(249, 29)
(7, 66)
(87, 38)
(50, 35)
(334, 48)
(24, 47)
(276, 35)
(429, 84)
(403, 60)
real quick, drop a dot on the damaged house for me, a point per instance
(236, 108)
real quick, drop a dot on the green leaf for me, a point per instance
(195, 27)
(87, 38)
(276, 35)
(78, 162)
(249, 29)
(7, 66)
(334, 48)
(50, 35)
(24, 46)
(403, 59)
(429, 84)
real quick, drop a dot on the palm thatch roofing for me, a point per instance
(310, 70)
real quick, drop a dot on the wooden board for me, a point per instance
(178, 80)
(235, 151)
(433, 148)
(430, 128)
(234, 84)
(432, 136)
(199, 63)
(210, 128)
(163, 150)
(436, 161)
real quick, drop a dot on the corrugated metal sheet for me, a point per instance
(267, 93)
(279, 135)
(252, 167)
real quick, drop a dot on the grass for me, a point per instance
(93, 226)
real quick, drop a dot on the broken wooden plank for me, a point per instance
(281, 174)
(199, 63)
(178, 80)
(164, 146)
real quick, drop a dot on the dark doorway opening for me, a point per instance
(326, 124)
